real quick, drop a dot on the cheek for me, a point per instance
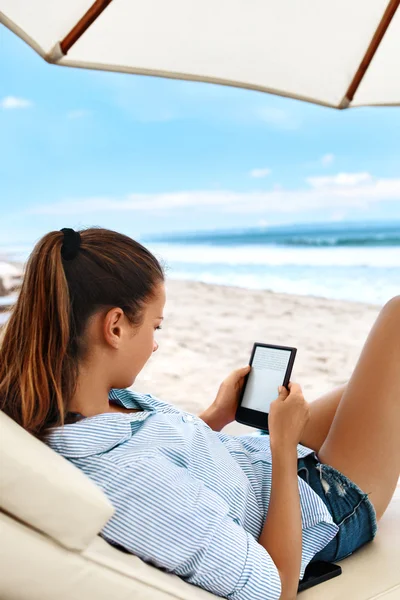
(143, 347)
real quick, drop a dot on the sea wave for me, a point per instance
(371, 236)
(263, 255)
(362, 286)
(332, 241)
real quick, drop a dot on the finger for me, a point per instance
(243, 370)
(294, 387)
(282, 391)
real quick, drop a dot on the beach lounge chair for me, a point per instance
(50, 517)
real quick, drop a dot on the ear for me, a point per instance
(112, 326)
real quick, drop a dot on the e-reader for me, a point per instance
(271, 367)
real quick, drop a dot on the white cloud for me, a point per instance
(260, 173)
(338, 193)
(327, 159)
(10, 102)
(77, 114)
(341, 179)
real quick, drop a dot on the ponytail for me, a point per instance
(43, 340)
(33, 358)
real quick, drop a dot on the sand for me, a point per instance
(209, 330)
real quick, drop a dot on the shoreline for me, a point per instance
(209, 330)
(273, 292)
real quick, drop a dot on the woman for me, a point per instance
(240, 516)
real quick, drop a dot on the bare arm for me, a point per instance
(282, 532)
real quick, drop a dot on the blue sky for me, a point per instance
(144, 155)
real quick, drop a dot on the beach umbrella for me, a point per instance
(339, 54)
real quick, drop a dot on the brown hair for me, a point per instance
(44, 340)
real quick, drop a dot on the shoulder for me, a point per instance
(132, 399)
(92, 435)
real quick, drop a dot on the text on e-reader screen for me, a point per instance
(268, 371)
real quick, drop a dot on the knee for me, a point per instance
(393, 304)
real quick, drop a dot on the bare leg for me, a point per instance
(322, 413)
(363, 441)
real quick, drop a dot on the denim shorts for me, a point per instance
(349, 506)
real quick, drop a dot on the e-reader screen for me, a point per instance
(268, 371)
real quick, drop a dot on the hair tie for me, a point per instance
(71, 243)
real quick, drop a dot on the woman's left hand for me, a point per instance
(222, 411)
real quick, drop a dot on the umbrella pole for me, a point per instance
(370, 53)
(85, 22)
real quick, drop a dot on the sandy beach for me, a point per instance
(209, 330)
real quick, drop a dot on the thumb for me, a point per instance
(282, 391)
(243, 371)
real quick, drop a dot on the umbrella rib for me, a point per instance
(83, 24)
(371, 50)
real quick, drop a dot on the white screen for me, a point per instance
(268, 372)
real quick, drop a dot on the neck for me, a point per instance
(91, 394)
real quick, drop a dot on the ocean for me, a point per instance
(347, 261)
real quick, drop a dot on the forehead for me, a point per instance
(158, 301)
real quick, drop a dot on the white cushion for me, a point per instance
(52, 496)
(43, 489)
(34, 567)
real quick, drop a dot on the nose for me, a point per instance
(155, 346)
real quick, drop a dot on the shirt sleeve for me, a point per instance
(173, 521)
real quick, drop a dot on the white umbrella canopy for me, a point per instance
(339, 54)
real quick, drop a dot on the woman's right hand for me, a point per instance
(288, 416)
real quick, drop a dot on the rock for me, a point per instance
(10, 277)
(3, 291)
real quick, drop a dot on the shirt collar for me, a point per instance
(127, 398)
(100, 433)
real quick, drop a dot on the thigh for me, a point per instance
(363, 441)
(322, 412)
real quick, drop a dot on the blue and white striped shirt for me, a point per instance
(188, 499)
